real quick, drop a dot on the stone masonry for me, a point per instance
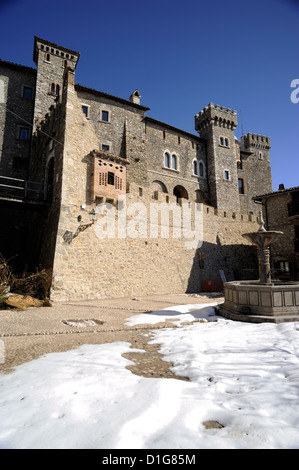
(89, 148)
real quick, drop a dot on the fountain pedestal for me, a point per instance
(262, 239)
(261, 300)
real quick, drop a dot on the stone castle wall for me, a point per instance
(143, 260)
(16, 112)
(277, 213)
(185, 149)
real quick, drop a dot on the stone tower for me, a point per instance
(217, 125)
(256, 168)
(50, 60)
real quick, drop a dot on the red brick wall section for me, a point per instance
(109, 178)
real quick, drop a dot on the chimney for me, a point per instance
(135, 97)
(281, 187)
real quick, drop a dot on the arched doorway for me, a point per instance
(180, 193)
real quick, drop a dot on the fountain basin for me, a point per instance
(256, 302)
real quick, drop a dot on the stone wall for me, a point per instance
(138, 257)
(131, 249)
(16, 112)
(98, 263)
(120, 129)
(277, 218)
(186, 149)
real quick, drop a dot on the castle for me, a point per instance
(65, 149)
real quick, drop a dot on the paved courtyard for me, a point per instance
(67, 325)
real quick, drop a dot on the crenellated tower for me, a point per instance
(51, 61)
(254, 168)
(217, 125)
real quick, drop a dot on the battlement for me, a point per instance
(49, 48)
(256, 140)
(216, 115)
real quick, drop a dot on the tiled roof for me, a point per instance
(275, 193)
(79, 87)
(22, 68)
(109, 156)
(172, 128)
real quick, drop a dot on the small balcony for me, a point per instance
(17, 189)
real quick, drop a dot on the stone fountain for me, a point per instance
(264, 299)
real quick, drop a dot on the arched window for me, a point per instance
(166, 160)
(195, 169)
(57, 90)
(201, 169)
(53, 88)
(174, 162)
(171, 161)
(198, 168)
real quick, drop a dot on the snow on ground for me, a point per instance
(245, 376)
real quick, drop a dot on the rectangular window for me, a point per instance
(282, 268)
(111, 178)
(226, 175)
(241, 186)
(105, 148)
(105, 116)
(24, 133)
(85, 110)
(239, 165)
(27, 92)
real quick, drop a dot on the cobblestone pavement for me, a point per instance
(27, 335)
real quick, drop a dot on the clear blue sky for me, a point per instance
(181, 55)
